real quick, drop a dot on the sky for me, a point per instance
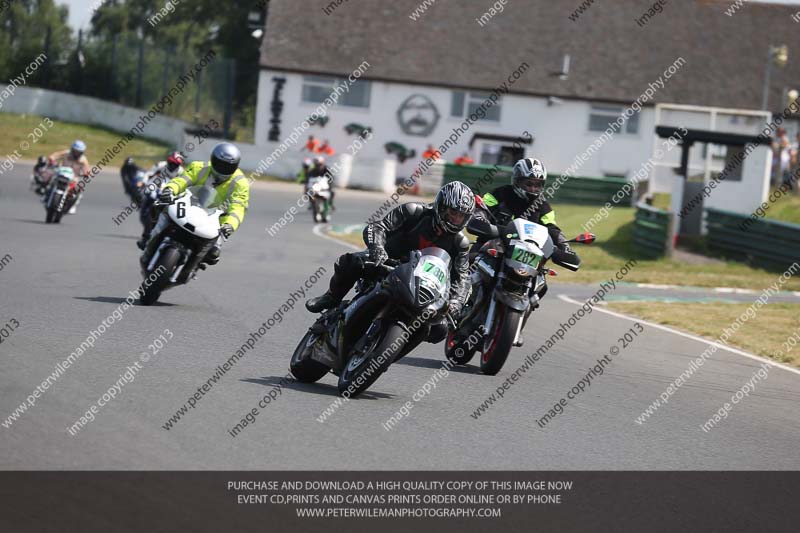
(80, 10)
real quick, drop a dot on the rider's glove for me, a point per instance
(378, 255)
(226, 230)
(454, 308)
(565, 247)
(166, 196)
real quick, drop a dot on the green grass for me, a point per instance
(764, 334)
(662, 200)
(614, 247)
(786, 209)
(59, 136)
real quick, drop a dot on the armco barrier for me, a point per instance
(579, 190)
(767, 243)
(651, 231)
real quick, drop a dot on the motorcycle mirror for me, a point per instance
(584, 238)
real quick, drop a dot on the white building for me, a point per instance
(566, 80)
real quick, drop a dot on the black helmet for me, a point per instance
(528, 178)
(225, 159)
(128, 162)
(453, 198)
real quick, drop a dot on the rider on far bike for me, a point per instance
(155, 179)
(75, 159)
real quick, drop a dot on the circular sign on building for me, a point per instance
(418, 115)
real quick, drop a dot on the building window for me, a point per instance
(465, 103)
(602, 116)
(317, 88)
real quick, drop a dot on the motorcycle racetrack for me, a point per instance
(62, 282)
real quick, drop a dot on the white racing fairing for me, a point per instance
(188, 213)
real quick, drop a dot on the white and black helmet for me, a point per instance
(453, 198)
(528, 178)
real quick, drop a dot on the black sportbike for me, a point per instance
(390, 315)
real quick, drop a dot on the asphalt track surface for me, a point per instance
(64, 280)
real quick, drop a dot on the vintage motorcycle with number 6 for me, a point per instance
(186, 234)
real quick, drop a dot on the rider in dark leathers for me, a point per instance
(408, 227)
(523, 199)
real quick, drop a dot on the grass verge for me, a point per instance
(764, 335)
(786, 209)
(18, 129)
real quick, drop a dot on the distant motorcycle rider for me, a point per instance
(128, 171)
(229, 185)
(155, 179)
(302, 176)
(163, 171)
(320, 169)
(75, 159)
(411, 226)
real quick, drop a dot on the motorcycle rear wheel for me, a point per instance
(458, 353)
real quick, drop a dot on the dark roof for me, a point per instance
(612, 58)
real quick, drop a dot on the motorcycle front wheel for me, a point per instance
(380, 349)
(501, 338)
(166, 264)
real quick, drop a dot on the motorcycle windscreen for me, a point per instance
(204, 196)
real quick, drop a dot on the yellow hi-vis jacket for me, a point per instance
(233, 194)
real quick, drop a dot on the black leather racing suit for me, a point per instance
(509, 205)
(405, 228)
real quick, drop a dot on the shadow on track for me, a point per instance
(117, 300)
(322, 389)
(436, 363)
(111, 235)
(29, 221)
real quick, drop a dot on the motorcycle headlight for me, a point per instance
(522, 272)
(426, 293)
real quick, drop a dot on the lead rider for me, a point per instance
(411, 226)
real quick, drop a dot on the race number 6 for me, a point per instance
(181, 209)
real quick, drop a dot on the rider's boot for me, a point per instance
(321, 303)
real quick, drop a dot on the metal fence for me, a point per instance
(578, 190)
(651, 231)
(136, 72)
(767, 243)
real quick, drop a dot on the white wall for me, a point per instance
(87, 110)
(560, 131)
